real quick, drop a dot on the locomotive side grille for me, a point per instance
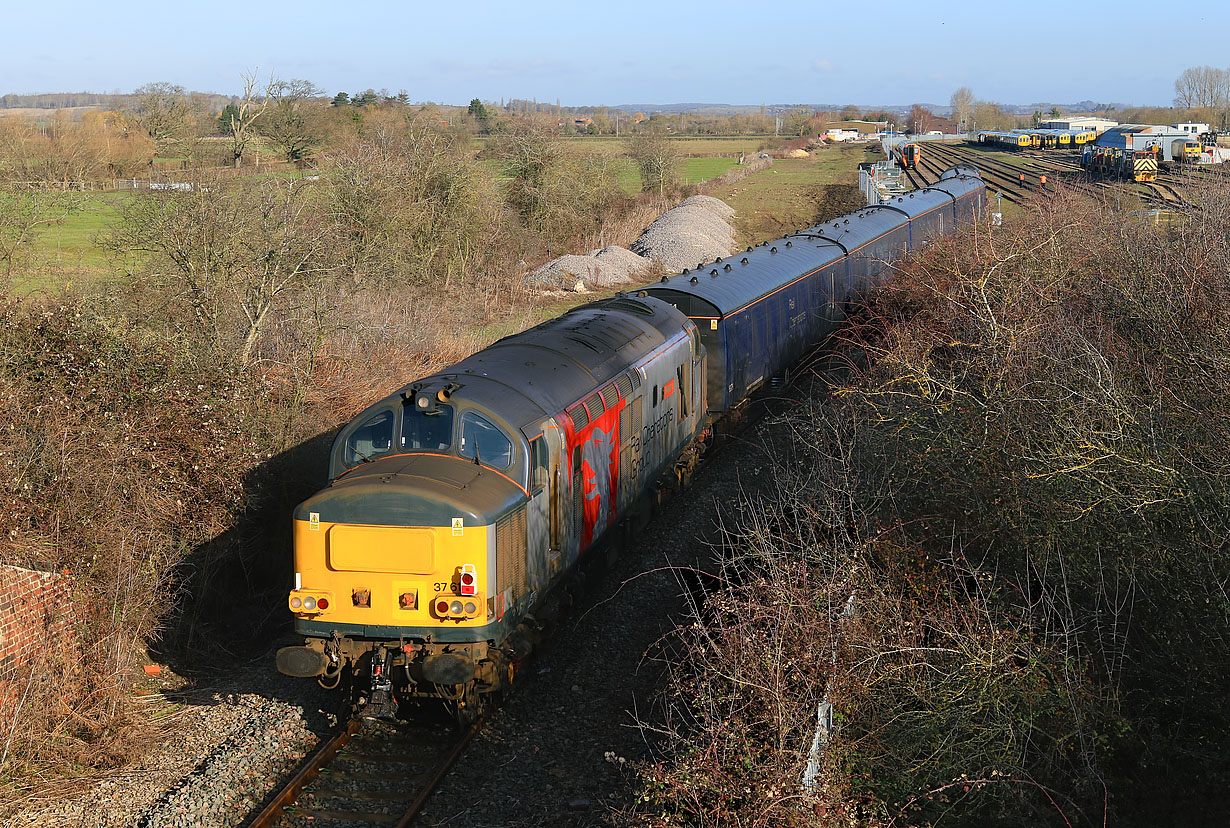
(609, 396)
(580, 417)
(636, 416)
(635, 376)
(510, 553)
(595, 407)
(624, 386)
(625, 424)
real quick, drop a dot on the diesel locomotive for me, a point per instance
(459, 504)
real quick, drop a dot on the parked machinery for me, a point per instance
(460, 503)
(1114, 162)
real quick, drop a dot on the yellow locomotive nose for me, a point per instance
(406, 548)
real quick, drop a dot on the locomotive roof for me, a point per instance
(736, 281)
(538, 372)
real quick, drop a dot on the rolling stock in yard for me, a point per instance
(460, 504)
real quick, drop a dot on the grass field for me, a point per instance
(689, 145)
(69, 250)
(612, 147)
(784, 197)
(691, 171)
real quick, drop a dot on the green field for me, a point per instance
(784, 197)
(69, 250)
(691, 171)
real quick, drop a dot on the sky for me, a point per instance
(627, 52)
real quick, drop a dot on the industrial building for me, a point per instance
(1141, 137)
(1077, 122)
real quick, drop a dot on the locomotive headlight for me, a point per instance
(471, 608)
(309, 603)
(295, 603)
(455, 608)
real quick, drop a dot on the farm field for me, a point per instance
(686, 146)
(769, 203)
(785, 196)
(691, 171)
(69, 251)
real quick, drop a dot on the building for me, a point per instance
(1140, 137)
(1192, 128)
(1079, 123)
(861, 127)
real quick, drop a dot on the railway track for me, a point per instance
(366, 773)
(1166, 193)
(1002, 176)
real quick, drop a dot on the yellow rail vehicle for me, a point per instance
(1116, 162)
(1011, 140)
(1187, 151)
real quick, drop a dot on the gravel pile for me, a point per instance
(608, 267)
(697, 230)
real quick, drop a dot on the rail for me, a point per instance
(357, 775)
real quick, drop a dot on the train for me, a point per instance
(1037, 138)
(908, 156)
(1117, 162)
(460, 505)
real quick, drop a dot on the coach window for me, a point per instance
(482, 440)
(372, 438)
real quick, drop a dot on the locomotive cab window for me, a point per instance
(426, 430)
(372, 438)
(482, 439)
(538, 455)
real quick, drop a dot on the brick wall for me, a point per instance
(35, 612)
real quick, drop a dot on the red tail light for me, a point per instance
(442, 607)
(469, 580)
(322, 603)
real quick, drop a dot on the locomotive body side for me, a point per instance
(459, 503)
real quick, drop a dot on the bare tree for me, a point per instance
(657, 160)
(164, 111)
(920, 118)
(1202, 86)
(236, 254)
(962, 103)
(245, 113)
(289, 124)
(22, 216)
